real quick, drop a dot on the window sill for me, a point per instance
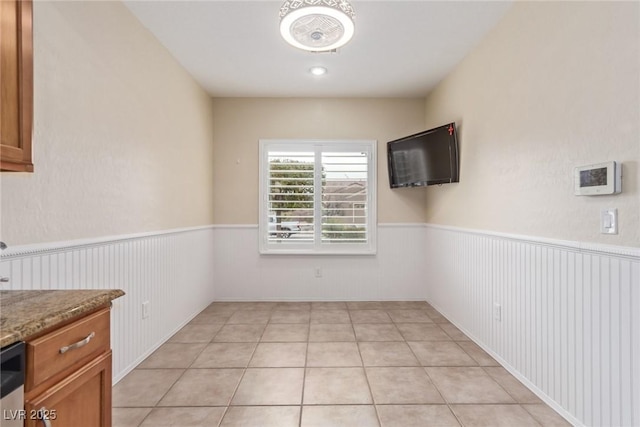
(365, 252)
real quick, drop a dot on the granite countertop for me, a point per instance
(26, 313)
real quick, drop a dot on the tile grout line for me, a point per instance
(364, 370)
(244, 371)
(178, 379)
(308, 341)
(426, 373)
(304, 373)
(226, 408)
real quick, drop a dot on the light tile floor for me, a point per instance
(352, 364)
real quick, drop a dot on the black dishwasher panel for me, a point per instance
(11, 368)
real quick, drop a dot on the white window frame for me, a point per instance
(317, 247)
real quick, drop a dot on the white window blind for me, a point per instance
(290, 198)
(317, 196)
(344, 187)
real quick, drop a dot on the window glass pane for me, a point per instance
(291, 196)
(344, 197)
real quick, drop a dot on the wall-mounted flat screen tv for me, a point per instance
(426, 158)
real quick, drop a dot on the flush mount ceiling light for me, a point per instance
(317, 25)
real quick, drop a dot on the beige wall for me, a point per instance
(240, 122)
(122, 134)
(554, 86)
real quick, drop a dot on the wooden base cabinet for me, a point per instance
(82, 399)
(68, 374)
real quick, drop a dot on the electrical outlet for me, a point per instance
(497, 311)
(318, 272)
(145, 309)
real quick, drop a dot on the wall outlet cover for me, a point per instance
(145, 309)
(497, 311)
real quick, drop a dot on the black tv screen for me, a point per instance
(426, 158)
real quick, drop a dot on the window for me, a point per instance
(317, 197)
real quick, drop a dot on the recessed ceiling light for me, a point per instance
(318, 71)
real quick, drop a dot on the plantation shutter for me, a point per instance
(291, 195)
(317, 197)
(344, 197)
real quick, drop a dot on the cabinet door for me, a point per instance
(16, 85)
(82, 399)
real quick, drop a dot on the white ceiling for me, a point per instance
(400, 48)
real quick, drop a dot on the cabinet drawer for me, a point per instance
(63, 348)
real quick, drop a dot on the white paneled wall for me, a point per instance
(395, 273)
(172, 270)
(570, 321)
(570, 312)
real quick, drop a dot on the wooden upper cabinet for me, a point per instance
(16, 85)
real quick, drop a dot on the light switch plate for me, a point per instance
(609, 221)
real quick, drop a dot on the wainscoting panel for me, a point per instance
(568, 324)
(172, 270)
(394, 273)
(569, 320)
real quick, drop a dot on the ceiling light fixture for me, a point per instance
(318, 71)
(317, 25)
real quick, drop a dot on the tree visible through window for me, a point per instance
(317, 196)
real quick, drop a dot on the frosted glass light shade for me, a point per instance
(317, 25)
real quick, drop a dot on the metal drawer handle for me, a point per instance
(78, 344)
(43, 414)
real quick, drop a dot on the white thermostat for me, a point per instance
(598, 179)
